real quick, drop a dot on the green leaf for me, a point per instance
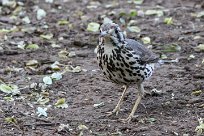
(93, 27)
(55, 66)
(41, 14)
(47, 37)
(43, 101)
(29, 30)
(122, 13)
(163, 56)
(63, 54)
(72, 54)
(47, 80)
(97, 105)
(154, 12)
(32, 46)
(168, 20)
(26, 20)
(107, 20)
(146, 40)
(200, 14)
(5, 88)
(41, 111)
(82, 127)
(77, 69)
(138, 1)
(10, 120)
(61, 103)
(199, 129)
(63, 22)
(197, 37)
(21, 45)
(9, 98)
(151, 120)
(56, 76)
(4, 30)
(32, 63)
(133, 13)
(196, 93)
(122, 21)
(134, 29)
(9, 89)
(64, 127)
(14, 29)
(54, 45)
(171, 48)
(132, 23)
(49, 1)
(200, 47)
(191, 57)
(9, 3)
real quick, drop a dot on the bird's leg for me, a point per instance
(117, 108)
(131, 115)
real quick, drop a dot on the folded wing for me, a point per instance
(146, 55)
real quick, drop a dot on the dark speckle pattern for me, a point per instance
(122, 65)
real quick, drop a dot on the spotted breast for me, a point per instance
(121, 64)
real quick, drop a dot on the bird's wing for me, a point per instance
(145, 54)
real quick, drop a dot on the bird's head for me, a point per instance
(111, 31)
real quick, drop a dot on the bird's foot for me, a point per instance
(146, 93)
(127, 120)
(115, 111)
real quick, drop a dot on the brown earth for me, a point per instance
(172, 111)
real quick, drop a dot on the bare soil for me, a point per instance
(172, 111)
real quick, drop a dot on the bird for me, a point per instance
(125, 62)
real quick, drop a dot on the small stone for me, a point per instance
(194, 100)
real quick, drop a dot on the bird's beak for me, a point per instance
(103, 34)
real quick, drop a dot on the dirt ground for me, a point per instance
(173, 110)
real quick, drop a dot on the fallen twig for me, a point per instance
(13, 52)
(198, 76)
(9, 52)
(42, 124)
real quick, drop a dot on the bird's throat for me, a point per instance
(111, 41)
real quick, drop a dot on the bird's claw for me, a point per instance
(109, 113)
(127, 120)
(115, 111)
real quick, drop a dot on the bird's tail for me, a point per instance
(161, 62)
